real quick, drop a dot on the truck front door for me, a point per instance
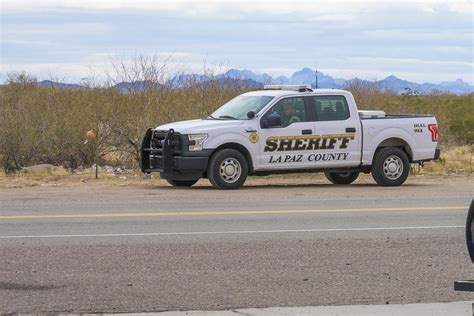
(284, 146)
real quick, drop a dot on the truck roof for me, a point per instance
(275, 93)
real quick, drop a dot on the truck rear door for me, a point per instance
(339, 128)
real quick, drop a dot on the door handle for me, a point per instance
(350, 130)
(307, 132)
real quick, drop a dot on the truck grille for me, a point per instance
(158, 140)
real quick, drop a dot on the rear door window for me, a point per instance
(331, 108)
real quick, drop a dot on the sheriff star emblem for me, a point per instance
(253, 137)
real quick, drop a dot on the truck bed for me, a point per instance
(412, 129)
(397, 116)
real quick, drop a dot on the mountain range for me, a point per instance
(392, 83)
(306, 76)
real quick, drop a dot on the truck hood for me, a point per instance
(200, 125)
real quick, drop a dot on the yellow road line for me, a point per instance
(255, 212)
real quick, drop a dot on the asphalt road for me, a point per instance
(95, 248)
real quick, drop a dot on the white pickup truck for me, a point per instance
(288, 129)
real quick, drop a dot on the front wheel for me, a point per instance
(342, 177)
(181, 183)
(228, 169)
(391, 167)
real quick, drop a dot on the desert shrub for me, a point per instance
(48, 124)
(20, 131)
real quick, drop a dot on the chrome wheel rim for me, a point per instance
(230, 170)
(393, 167)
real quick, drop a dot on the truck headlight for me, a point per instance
(198, 140)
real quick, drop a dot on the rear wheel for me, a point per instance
(228, 169)
(342, 177)
(391, 167)
(182, 183)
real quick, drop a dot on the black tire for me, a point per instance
(234, 162)
(182, 183)
(386, 167)
(342, 177)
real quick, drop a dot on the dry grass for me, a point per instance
(457, 161)
(21, 180)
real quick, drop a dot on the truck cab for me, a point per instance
(284, 129)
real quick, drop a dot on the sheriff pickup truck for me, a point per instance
(289, 129)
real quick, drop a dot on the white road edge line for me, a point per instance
(236, 232)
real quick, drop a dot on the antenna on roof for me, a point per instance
(316, 76)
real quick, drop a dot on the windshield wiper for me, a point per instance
(228, 117)
(212, 117)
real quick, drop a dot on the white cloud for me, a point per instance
(199, 7)
(419, 39)
(411, 62)
(25, 42)
(100, 69)
(16, 30)
(162, 54)
(332, 18)
(67, 72)
(174, 54)
(418, 35)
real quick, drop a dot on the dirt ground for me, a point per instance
(133, 186)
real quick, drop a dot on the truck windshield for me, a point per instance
(238, 107)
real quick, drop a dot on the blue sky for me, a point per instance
(421, 41)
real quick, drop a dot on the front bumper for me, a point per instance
(166, 152)
(466, 286)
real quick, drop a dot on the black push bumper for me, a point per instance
(167, 152)
(466, 285)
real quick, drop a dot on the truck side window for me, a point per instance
(291, 110)
(331, 108)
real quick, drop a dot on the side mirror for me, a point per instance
(273, 120)
(468, 285)
(470, 231)
(250, 114)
